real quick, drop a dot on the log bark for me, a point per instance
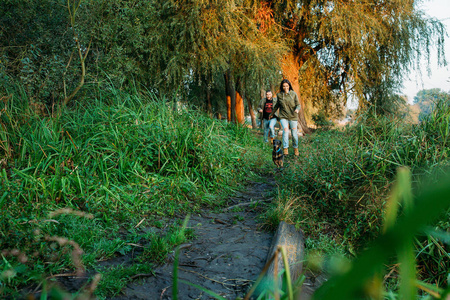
(293, 242)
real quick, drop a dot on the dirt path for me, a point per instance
(226, 256)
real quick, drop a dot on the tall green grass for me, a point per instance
(365, 275)
(338, 189)
(119, 159)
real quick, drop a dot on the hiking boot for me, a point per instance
(271, 140)
(296, 152)
(285, 151)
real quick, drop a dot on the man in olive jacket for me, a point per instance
(268, 116)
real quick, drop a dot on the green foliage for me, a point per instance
(164, 45)
(427, 99)
(115, 278)
(34, 48)
(175, 46)
(340, 184)
(160, 246)
(321, 121)
(117, 159)
(362, 280)
(357, 47)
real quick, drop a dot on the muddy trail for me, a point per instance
(228, 252)
(226, 256)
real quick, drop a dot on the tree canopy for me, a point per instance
(329, 50)
(357, 48)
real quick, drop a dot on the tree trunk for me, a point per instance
(250, 107)
(252, 113)
(228, 101)
(72, 13)
(231, 96)
(209, 107)
(228, 108)
(208, 95)
(263, 95)
(290, 69)
(239, 107)
(208, 102)
(240, 117)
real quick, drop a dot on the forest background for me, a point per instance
(70, 70)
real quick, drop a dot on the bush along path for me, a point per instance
(226, 255)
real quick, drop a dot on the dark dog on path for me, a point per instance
(277, 154)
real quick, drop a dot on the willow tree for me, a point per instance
(352, 47)
(197, 38)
